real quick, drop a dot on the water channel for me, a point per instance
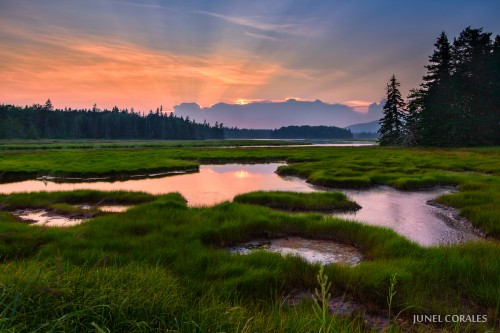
(408, 213)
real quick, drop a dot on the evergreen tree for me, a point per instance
(436, 94)
(468, 112)
(412, 117)
(48, 105)
(459, 101)
(392, 124)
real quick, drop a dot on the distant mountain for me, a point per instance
(371, 127)
(271, 115)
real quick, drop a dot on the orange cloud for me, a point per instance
(360, 106)
(78, 71)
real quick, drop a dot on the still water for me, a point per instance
(212, 185)
(408, 213)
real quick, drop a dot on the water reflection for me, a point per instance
(405, 212)
(43, 217)
(304, 143)
(409, 214)
(212, 185)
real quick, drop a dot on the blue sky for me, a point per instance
(145, 53)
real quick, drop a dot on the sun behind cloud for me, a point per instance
(242, 101)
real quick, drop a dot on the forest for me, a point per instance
(290, 132)
(458, 103)
(43, 121)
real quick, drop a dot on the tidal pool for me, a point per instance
(312, 250)
(406, 212)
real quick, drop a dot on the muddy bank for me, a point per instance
(451, 216)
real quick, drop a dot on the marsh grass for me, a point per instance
(66, 201)
(45, 144)
(134, 253)
(162, 266)
(295, 201)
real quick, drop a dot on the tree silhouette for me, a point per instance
(458, 104)
(392, 124)
(48, 105)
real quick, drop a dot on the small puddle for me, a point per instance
(43, 217)
(314, 251)
(52, 219)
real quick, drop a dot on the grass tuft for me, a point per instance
(295, 201)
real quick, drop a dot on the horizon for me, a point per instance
(164, 53)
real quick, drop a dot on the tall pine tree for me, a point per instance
(392, 124)
(436, 95)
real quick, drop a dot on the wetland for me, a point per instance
(165, 255)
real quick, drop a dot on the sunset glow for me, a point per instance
(151, 53)
(242, 101)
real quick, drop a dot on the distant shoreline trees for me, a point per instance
(458, 104)
(45, 122)
(290, 132)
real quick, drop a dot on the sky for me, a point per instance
(144, 54)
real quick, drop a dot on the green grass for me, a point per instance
(45, 144)
(162, 266)
(64, 201)
(295, 201)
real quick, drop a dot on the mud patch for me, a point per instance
(312, 250)
(44, 217)
(345, 306)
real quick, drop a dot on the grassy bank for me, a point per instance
(294, 201)
(163, 266)
(45, 144)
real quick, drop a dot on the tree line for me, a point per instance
(458, 103)
(43, 121)
(290, 132)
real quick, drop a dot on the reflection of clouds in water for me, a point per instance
(406, 212)
(255, 169)
(245, 174)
